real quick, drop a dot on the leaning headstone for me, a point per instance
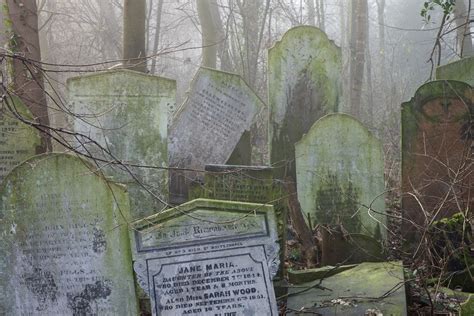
(461, 70)
(64, 246)
(127, 112)
(340, 176)
(245, 184)
(437, 143)
(208, 257)
(304, 71)
(18, 141)
(219, 108)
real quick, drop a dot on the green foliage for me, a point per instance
(446, 5)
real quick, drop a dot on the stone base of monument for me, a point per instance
(379, 287)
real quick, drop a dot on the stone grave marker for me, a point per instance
(127, 113)
(461, 70)
(18, 141)
(206, 129)
(64, 241)
(437, 143)
(340, 172)
(245, 184)
(208, 257)
(304, 70)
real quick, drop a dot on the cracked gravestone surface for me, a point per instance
(18, 141)
(368, 286)
(304, 70)
(340, 173)
(219, 109)
(208, 257)
(437, 143)
(127, 113)
(64, 241)
(461, 70)
(245, 184)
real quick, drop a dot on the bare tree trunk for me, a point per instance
(27, 80)
(134, 15)
(109, 35)
(463, 36)
(156, 40)
(322, 18)
(311, 12)
(358, 44)
(209, 33)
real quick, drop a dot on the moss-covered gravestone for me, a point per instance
(64, 241)
(461, 70)
(304, 70)
(219, 109)
(208, 257)
(340, 174)
(437, 143)
(127, 112)
(18, 141)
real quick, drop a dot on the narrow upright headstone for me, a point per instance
(304, 71)
(219, 108)
(127, 112)
(208, 257)
(18, 141)
(64, 246)
(340, 174)
(437, 144)
(461, 70)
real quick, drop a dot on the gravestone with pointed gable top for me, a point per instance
(64, 241)
(437, 143)
(127, 112)
(340, 174)
(208, 257)
(18, 141)
(460, 70)
(206, 129)
(304, 70)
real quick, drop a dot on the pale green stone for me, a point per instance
(461, 70)
(18, 141)
(64, 241)
(340, 173)
(304, 70)
(127, 112)
(352, 292)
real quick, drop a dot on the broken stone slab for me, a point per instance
(375, 286)
(64, 246)
(304, 84)
(460, 70)
(308, 275)
(208, 257)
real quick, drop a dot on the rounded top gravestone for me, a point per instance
(64, 247)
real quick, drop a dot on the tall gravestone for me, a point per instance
(219, 109)
(340, 174)
(64, 246)
(18, 141)
(461, 70)
(304, 70)
(208, 257)
(437, 143)
(127, 112)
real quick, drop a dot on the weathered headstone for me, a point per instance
(437, 143)
(18, 141)
(340, 174)
(64, 246)
(461, 70)
(245, 184)
(126, 112)
(208, 257)
(304, 70)
(219, 108)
